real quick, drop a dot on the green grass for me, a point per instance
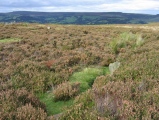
(52, 106)
(7, 40)
(87, 76)
(126, 39)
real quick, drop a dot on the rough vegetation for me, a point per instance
(42, 69)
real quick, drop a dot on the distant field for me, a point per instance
(78, 18)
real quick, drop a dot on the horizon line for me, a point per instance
(80, 12)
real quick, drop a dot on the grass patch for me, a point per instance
(87, 76)
(7, 40)
(52, 106)
(126, 39)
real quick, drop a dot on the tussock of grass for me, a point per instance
(139, 41)
(126, 39)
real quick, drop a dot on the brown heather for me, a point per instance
(14, 100)
(66, 91)
(28, 112)
(44, 58)
(82, 109)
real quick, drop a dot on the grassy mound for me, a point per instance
(87, 76)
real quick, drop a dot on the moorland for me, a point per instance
(50, 72)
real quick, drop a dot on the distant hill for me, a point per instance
(78, 17)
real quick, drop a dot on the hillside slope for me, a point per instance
(78, 17)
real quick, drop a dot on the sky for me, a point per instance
(126, 6)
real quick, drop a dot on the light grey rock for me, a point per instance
(113, 66)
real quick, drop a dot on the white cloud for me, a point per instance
(122, 6)
(136, 6)
(130, 5)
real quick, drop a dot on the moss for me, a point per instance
(87, 76)
(52, 106)
(8, 40)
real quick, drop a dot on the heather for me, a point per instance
(79, 72)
